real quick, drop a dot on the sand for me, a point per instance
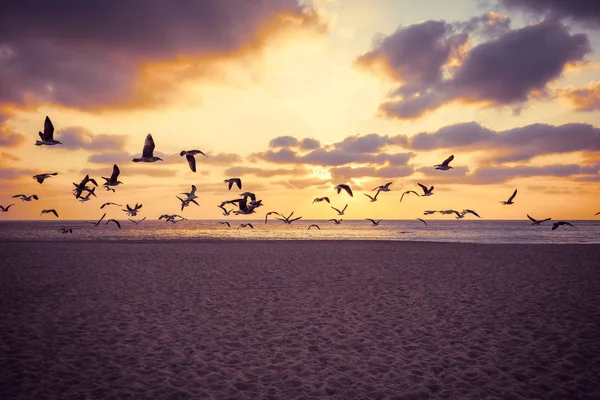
(282, 319)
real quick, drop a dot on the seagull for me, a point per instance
(192, 194)
(408, 192)
(171, 218)
(40, 177)
(342, 211)
(79, 188)
(110, 203)
(189, 155)
(446, 212)
(113, 180)
(5, 209)
(373, 198)
(48, 135)
(26, 198)
(97, 223)
(458, 215)
(315, 225)
(245, 225)
(375, 223)
(537, 221)
(467, 211)
(225, 211)
(231, 181)
(287, 220)
(87, 196)
(49, 211)
(383, 188)
(65, 230)
(428, 212)
(559, 223)
(422, 220)
(148, 151)
(115, 221)
(132, 212)
(185, 203)
(225, 223)
(320, 199)
(426, 192)
(252, 196)
(335, 221)
(445, 165)
(344, 187)
(598, 213)
(136, 222)
(510, 199)
(271, 213)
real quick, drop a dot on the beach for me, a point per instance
(228, 319)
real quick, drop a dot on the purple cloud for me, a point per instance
(99, 66)
(345, 173)
(81, 138)
(8, 138)
(581, 10)
(264, 173)
(583, 99)
(110, 158)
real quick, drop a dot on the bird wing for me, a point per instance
(327, 200)
(295, 219)
(250, 225)
(369, 196)
(547, 219)
(148, 149)
(191, 162)
(401, 197)
(387, 185)
(448, 160)
(422, 220)
(100, 220)
(115, 221)
(230, 183)
(423, 187)
(104, 205)
(48, 129)
(369, 219)
(347, 189)
(54, 212)
(336, 209)
(474, 213)
(19, 195)
(567, 223)
(238, 182)
(344, 209)
(531, 218)
(513, 196)
(115, 173)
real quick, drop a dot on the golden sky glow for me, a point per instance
(302, 83)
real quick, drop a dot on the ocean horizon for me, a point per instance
(462, 231)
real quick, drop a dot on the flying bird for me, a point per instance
(97, 223)
(373, 198)
(189, 156)
(245, 225)
(40, 177)
(426, 192)
(26, 198)
(445, 165)
(342, 211)
(422, 220)
(115, 221)
(271, 213)
(537, 221)
(313, 225)
(408, 192)
(320, 199)
(510, 199)
(428, 212)
(110, 203)
(345, 187)
(50, 212)
(81, 186)
(132, 212)
(598, 213)
(192, 193)
(87, 196)
(467, 211)
(225, 223)
(186, 202)
(148, 151)
(231, 181)
(136, 222)
(383, 188)
(225, 211)
(65, 230)
(287, 220)
(114, 178)
(335, 221)
(5, 209)
(375, 223)
(559, 223)
(48, 135)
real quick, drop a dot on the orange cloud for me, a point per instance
(583, 99)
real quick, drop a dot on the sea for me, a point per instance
(459, 231)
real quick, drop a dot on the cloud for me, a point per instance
(303, 183)
(333, 157)
(583, 99)
(264, 173)
(94, 66)
(290, 141)
(581, 10)
(9, 156)
(431, 62)
(8, 137)
(512, 145)
(345, 173)
(370, 143)
(110, 158)
(15, 173)
(81, 138)
(221, 159)
(132, 170)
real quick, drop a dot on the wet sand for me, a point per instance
(293, 319)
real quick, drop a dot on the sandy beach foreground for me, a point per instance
(283, 319)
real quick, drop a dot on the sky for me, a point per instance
(294, 97)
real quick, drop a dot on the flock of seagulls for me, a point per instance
(246, 203)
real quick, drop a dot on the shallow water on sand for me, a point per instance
(463, 231)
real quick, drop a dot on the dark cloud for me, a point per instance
(512, 145)
(221, 159)
(110, 158)
(507, 70)
(133, 170)
(88, 54)
(309, 144)
(346, 173)
(290, 141)
(335, 157)
(581, 10)
(81, 138)
(370, 143)
(264, 173)
(583, 99)
(8, 137)
(10, 174)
